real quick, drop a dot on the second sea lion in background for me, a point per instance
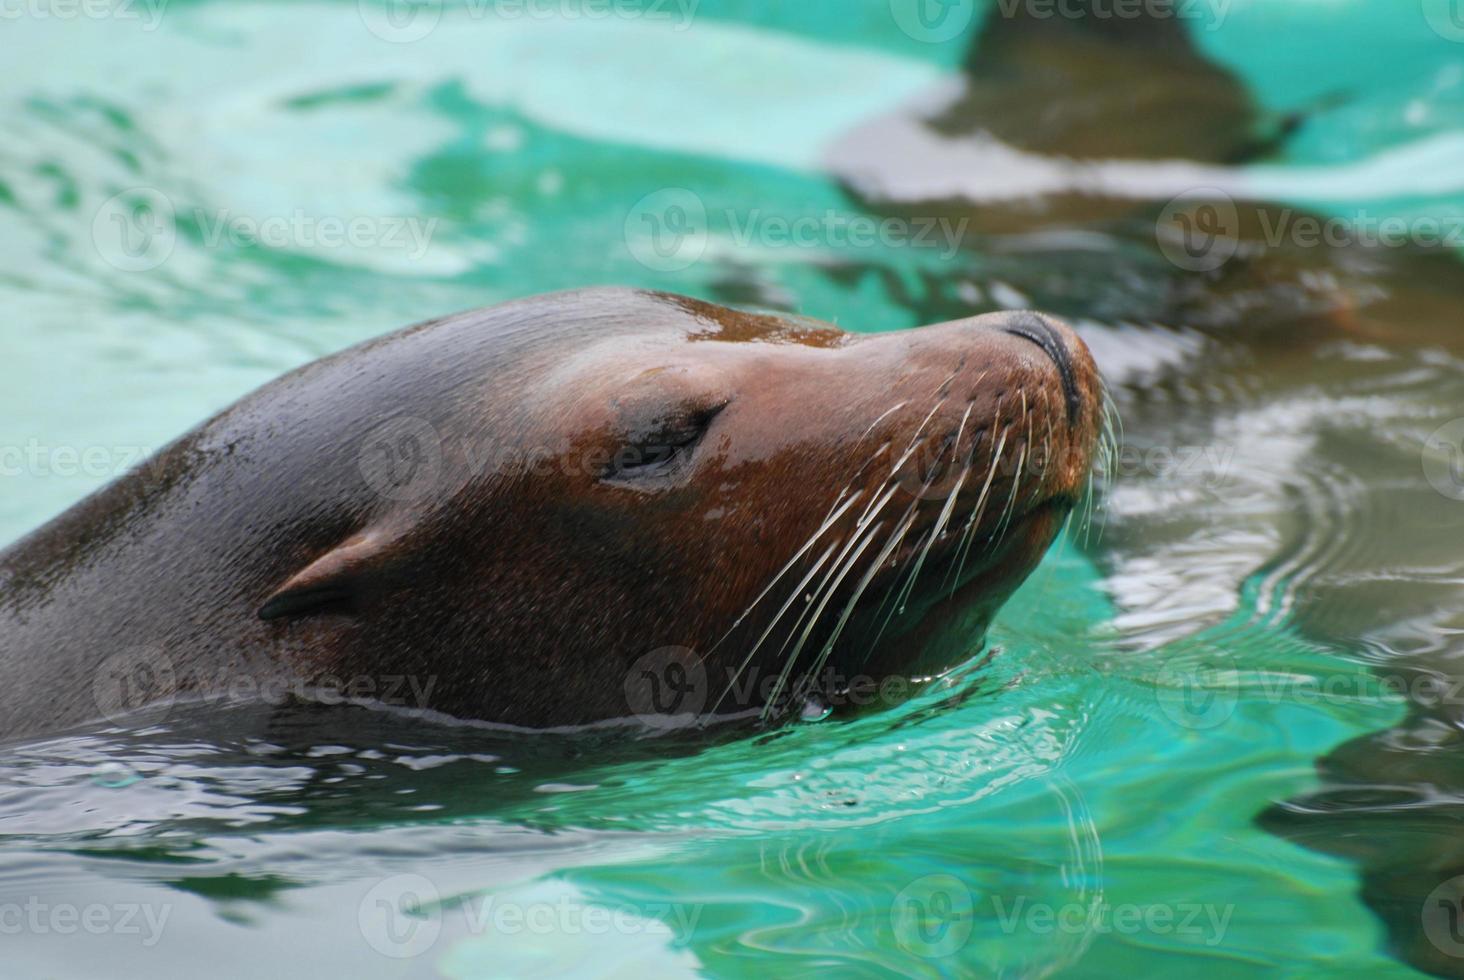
(1080, 151)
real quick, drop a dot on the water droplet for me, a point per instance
(115, 775)
(814, 709)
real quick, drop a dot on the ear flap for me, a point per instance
(335, 577)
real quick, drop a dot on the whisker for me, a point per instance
(980, 509)
(902, 530)
(896, 606)
(825, 589)
(915, 440)
(1004, 524)
(792, 598)
(895, 537)
(945, 513)
(843, 570)
(881, 417)
(940, 524)
(829, 522)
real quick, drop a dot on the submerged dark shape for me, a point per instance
(1075, 155)
(512, 508)
(1076, 152)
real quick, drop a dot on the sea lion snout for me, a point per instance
(1012, 392)
(1057, 341)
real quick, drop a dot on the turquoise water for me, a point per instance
(1083, 801)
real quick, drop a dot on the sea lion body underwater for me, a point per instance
(512, 506)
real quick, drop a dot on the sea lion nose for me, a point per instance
(1056, 340)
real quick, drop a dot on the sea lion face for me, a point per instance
(761, 499)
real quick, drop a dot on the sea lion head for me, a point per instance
(603, 484)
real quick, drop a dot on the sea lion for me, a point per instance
(1082, 154)
(514, 506)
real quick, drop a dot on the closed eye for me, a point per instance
(666, 450)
